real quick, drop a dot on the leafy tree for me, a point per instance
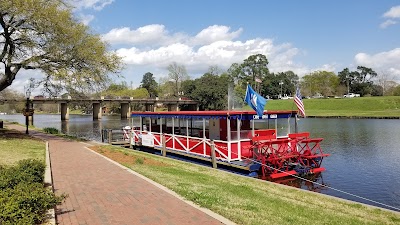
(359, 81)
(188, 86)
(346, 78)
(149, 83)
(322, 82)
(113, 89)
(177, 74)
(166, 89)
(396, 90)
(43, 35)
(254, 67)
(376, 90)
(364, 84)
(210, 91)
(286, 82)
(365, 74)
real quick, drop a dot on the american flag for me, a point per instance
(299, 102)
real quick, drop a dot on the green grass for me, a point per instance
(247, 200)
(388, 106)
(15, 146)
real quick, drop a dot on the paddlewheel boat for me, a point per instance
(264, 147)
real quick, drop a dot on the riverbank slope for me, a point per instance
(246, 200)
(368, 107)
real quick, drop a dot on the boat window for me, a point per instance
(135, 122)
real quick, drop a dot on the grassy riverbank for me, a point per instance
(387, 106)
(240, 199)
(15, 146)
(246, 200)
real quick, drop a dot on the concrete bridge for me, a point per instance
(150, 104)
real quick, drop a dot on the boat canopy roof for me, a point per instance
(242, 115)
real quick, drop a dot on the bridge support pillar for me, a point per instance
(64, 111)
(149, 107)
(125, 110)
(96, 111)
(173, 107)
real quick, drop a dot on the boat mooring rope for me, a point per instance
(322, 185)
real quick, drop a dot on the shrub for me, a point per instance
(51, 130)
(26, 203)
(27, 170)
(23, 197)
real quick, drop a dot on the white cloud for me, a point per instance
(90, 4)
(388, 62)
(393, 12)
(22, 80)
(85, 19)
(387, 23)
(154, 34)
(152, 48)
(215, 33)
(157, 35)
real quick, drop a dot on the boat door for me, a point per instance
(214, 129)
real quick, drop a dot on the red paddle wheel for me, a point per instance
(296, 154)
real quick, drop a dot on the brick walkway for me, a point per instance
(100, 192)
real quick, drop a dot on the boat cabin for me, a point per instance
(194, 132)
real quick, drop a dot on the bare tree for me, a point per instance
(214, 70)
(383, 79)
(177, 74)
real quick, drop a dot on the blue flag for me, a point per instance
(256, 101)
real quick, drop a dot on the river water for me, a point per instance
(364, 161)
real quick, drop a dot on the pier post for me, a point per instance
(64, 111)
(164, 146)
(213, 159)
(96, 111)
(125, 110)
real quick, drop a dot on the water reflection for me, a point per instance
(310, 182)
(64, 127)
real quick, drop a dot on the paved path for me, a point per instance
(101, 192)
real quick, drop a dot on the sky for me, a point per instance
(301, 36)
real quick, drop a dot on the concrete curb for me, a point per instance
(48, 182)
(206, 211)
